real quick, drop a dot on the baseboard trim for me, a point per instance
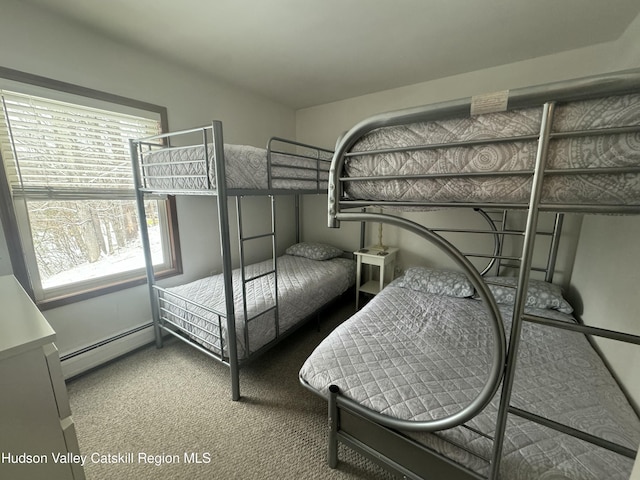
(100, 353)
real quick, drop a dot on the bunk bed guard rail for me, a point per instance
(627, 82)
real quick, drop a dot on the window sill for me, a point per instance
(62, 300)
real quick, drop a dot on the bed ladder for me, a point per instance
(242, 239)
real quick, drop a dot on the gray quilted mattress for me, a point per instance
(611, 150)
(246, 168)
(304, 285)
(421, 356)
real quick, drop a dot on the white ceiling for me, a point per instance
(309, 52)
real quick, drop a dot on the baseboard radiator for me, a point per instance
(98, 354)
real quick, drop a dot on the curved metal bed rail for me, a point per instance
(496, 242)
(498, 333)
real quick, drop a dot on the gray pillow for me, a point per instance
(439, 282)
(314, 251)
(539, 294)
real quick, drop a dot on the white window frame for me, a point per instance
(17, 228)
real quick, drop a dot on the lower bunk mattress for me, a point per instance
(304, 285)
(420, 356)
(246, 168)
(503, 162)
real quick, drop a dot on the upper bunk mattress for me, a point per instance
(419, 356)
(246, 168)
(601, 150)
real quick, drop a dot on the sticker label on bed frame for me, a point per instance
(490, 102)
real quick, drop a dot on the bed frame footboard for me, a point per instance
(386, 447)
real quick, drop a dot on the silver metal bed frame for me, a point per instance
(162, 298)
(376, 435)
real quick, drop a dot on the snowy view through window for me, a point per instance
(84, 240)
(129, 258)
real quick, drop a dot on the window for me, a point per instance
(68, 168)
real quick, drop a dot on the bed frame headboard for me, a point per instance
(509, 230)
(505, 227)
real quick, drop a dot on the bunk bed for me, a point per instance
(497, 381)
(236, 315)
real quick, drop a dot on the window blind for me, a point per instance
(59, 150)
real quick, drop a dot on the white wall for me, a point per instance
(324, 123)
(635, 474)
(39, 43)
(5, 262)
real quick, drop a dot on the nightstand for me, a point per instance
(384, 260)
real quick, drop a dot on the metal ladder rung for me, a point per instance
(247, 280)
(486, 255)
(254, 237)
(273, 307)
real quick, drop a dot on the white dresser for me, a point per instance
(37, 435)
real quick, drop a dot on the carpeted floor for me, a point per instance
(171, 408)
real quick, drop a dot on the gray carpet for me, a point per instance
(163, 404)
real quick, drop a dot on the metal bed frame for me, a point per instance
(162, 298)
(377, 436)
